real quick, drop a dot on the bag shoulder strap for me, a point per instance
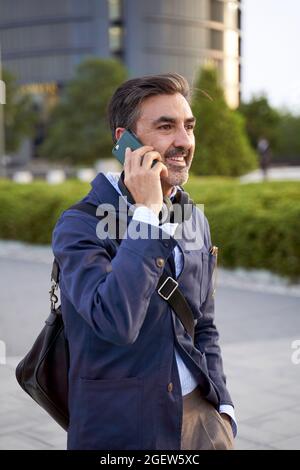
(167, 287)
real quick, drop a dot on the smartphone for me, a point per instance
(127, 139)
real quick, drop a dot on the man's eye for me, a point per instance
(190, 127)
(165, 127)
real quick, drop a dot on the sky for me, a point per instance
(271, 51)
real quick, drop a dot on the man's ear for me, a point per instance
(119, 131)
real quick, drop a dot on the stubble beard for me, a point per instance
(176, 176)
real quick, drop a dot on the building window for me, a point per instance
(116, 28)
(115, 10)
(115, 38)
(217, 11)
(216, 40)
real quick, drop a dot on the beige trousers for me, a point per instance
(203, 428)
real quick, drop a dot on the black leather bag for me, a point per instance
(43, 373)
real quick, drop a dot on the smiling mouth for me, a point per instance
(176, 161)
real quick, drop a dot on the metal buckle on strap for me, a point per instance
(53, 296)
(173, 283)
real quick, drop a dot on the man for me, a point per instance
(138, 380)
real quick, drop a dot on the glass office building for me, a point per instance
(43, 41)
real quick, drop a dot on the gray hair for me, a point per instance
(125, 105)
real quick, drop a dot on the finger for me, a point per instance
(149, 157)
(136, 156)
(160, 168)
(127, 161)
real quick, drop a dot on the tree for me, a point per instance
(261, 120)
(78, 130)
(287, 147)
(19, 114)
(222, 144)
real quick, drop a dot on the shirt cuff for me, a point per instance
(229, 410)
(146, 215)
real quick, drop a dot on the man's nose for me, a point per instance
(182, 138)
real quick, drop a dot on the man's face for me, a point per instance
(166, 123)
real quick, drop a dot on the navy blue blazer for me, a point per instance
(124, 387)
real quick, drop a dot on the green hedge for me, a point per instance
(254, 225)
(28, 212)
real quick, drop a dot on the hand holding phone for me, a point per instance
(142, 171)
(144, 180)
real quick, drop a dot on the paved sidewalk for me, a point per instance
(266, 391)
(23, 424)
(257, 327)
(283, 173)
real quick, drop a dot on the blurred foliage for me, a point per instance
(254, 225)
(280, 128)
(19, 114)
(288, 139)
(262, 120)
(78, 131)
(28, 212)
(222, 146)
